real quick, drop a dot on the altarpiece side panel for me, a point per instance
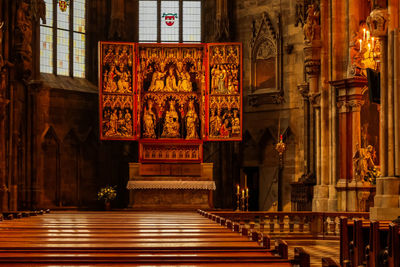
(117, 91)
(224, 101)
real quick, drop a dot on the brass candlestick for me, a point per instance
(238, 201)
(243, 201)
(247, 199)
(237, 198)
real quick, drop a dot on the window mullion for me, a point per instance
(71, 38)
(159, 21)
(55, 37)
(180, 21)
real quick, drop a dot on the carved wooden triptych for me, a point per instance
(168, 93)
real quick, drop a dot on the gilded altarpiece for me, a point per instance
(178, 96)
(117, 91)
(224, 116)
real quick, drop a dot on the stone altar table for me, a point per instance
(170, 186)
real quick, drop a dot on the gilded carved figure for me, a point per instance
(171, 128)
(184, 83)
(157, 81)
(235, 123)
(149, 120)
(170, 81)
(192, 121)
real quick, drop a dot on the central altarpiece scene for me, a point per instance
(170, 98)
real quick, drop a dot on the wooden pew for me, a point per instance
(328, 262)
(301, 257)
(394, 245)
(134, 238)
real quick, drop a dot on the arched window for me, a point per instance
(170, 21)
(62, 39)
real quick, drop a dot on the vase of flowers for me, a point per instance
(107, 194)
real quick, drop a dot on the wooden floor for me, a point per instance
(126, 239)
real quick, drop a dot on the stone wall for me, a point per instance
(261, 121)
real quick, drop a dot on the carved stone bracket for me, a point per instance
(304, 88)
(315, 99)
(377, 22)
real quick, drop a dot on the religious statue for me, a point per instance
(170, 82)
(224, 130)
(149, 121)
(235, 123)
(192, 121)
(157, 81)
(4, 64)
(23, 40)
(364, 165)
(311, 27)
(184, 83)
(111, 85)
(124, 85)
(215, 122)
(221, 80)
(171, 122)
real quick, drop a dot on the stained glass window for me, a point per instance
(62, 39)
(191, 29)
(169, 21)
(148, 21)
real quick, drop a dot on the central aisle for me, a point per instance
(122, 238)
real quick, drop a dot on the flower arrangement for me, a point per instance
(371, 175)
(107, 193)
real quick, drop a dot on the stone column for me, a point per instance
(3, 174)
(387, 200)
(304, 91)
(349, 102)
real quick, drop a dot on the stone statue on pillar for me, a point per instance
(117, 25)
(222, 21)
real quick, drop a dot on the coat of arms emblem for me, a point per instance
(63, 4)
(169, 18)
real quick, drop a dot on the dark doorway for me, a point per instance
(253, 185)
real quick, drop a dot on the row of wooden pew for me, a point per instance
(134, 238)
(369, 243)
(10, 215)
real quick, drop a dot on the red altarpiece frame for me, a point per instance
(170, 97)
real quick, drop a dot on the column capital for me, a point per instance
(377, 22)
(312, 66)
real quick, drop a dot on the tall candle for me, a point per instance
(238, 189)
(373, 43)
(242, 193)
(367, 35)
(247, 192)
(360, 44)
(364, 34)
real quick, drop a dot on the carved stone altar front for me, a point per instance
(170, 186)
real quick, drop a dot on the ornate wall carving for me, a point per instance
(266, 62)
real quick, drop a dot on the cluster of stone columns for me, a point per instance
(387, 199)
